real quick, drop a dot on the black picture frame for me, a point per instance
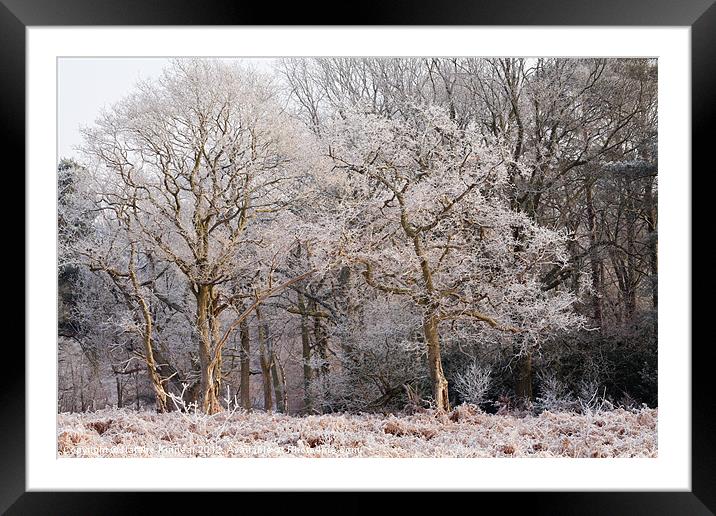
(700, 15)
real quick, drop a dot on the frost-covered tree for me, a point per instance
(190, 161)
(429, 219)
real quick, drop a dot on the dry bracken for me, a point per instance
(466, 432)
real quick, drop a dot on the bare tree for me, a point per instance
(200, 153)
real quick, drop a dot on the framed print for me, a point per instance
(446, 249)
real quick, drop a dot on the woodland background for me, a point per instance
(365, 235)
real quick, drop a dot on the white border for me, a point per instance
(671, 470)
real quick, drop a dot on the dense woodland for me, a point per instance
(364, 235)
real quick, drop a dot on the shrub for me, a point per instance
(473, 383)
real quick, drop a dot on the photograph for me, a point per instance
(352, 257)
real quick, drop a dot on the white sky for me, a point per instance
(85, 85)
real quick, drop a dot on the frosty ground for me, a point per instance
(464, 432)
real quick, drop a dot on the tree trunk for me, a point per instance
(523, 383)
(346, 301)
(170, 376)
(265, 358)
(306, 353)
(136, 393)
(594, 259)
(209, 384)
(119, 392)
(279, 384)
(245, 364)
(435, 366)
(321, 338)
(523, 386)
(653, 242)
(159, 393)
(631, 272)
(651, 212)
